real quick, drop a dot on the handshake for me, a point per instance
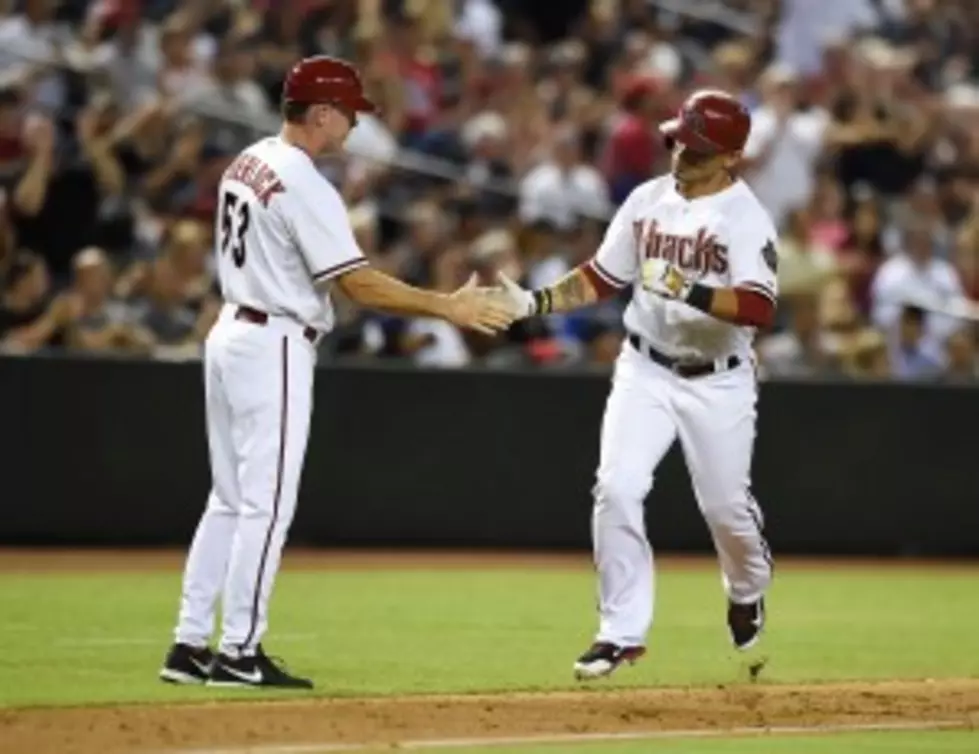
(492, 309)
(489, 310)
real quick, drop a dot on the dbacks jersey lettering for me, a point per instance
(721, 240)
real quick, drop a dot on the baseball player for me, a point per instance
(698, 250)
(282, 234)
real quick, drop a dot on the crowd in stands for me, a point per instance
(508, 132)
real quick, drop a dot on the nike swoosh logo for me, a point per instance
(255, 677)
(204, 667)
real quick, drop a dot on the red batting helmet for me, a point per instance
(709, 121)
(328, 81)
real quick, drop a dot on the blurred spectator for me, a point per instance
(913, 355)
(29, 319)
(496, 252)
(434, 342)
(13, 145)
(962, 356)
(177, 169)
(563, 187)
(372, 139)
(181, 68)
(164, 313)
(633, 143)
(966, 255)
(734, 70)
(544, 255)
(78, 183)
(507, 133)
(783, 146)
(187, 246)
(486, 138)
(8, 241)
(481, 22)
(27, 153)
(603, 341)
(805, 28)
(230, 81)
(99, 323)
(804, 350)
(141, 144)
(197, 196)
(915, 275)
(415, 63)
(864, 356)
(32, 37)
(805, 266)
(427, 232)
(828, 226)
(860, 351)
(863, 250)
(921, 202)
(882, 122)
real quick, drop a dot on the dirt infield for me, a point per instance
(260, 727)
(249, 726)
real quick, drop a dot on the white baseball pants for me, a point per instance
(259, 393)
(714, 418)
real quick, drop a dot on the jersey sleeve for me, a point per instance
(617, 260)
(753, 256)
(321, 228)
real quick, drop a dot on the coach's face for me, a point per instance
(334, 123)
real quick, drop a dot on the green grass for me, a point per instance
(99, 638)
(945, 742)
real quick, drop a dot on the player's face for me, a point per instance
(690, 165)
(693, 168)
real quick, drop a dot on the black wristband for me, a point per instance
(701, 297)
(543, 301)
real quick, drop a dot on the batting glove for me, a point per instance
(664, 279)
(521, 300)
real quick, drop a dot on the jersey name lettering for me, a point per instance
(698, 254)
(258, 176)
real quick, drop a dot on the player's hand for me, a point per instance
(521, 300)
(664, 279)
(484, 310)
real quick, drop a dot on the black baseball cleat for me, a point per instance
(256, 671)
(602, 658)
(746, 623)
(187, 665)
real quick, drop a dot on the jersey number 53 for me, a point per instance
(235, 216)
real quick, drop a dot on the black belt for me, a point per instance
(256, 317)
(677, 366)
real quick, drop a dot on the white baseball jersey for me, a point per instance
(281, 229)
(722, 240)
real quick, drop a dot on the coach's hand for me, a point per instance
(664, 279)
(484, 310)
